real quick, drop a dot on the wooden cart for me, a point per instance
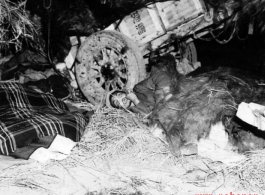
(114, 58)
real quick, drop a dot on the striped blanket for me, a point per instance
(26, 116)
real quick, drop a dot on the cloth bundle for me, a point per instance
(253, 114)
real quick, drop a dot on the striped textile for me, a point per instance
(26, 115)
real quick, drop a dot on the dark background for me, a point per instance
(247, 54)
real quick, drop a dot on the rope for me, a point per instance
(48, 8)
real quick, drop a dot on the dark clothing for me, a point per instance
(158, 80)
(21, 60)
(54, 84)
(145, 90)
(146, 97)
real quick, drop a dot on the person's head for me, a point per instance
(165, 63)
(117, 99)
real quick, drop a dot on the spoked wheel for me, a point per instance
(107, 61)
(188, 50)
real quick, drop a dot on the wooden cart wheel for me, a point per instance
(190, 52)
(108, 60)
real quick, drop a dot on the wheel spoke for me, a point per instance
(96, 66)
(120, 83)
(101, 81)
(122, 75)
(93, 73)
(120, 70)
(113, 85)
(99, 61)
(97, 56)
(122, 67)
(112, 57)
(119, 61)
(107, 85)
(105, 55)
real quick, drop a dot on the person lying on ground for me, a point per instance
(159, 86)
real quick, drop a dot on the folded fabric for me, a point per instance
(59, 149)
(62, 144)
(26, 116)
(43, 155)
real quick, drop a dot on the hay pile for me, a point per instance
(118, 144)
(123, 157)
(29, 177)
(249, 174)
(123, 154)
(120, 137)
(15, 25)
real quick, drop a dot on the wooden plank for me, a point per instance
(142, 25)
(183, 30)
(175, 13)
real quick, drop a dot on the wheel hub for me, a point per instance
(112, 69)
(108, 72)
